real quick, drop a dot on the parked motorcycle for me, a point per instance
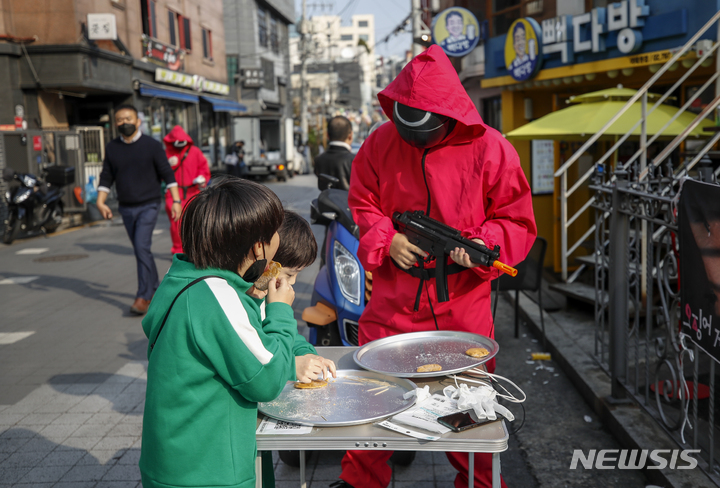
(342, 288)
(35, 204)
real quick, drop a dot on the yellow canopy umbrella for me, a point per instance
(588, 113)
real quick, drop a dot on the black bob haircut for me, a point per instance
(298, 247)
(339, 128)
(221, 224)
(126, 106)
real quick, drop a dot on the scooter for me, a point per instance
(342, 287)
(34, 204)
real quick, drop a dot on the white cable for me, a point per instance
(509, 397)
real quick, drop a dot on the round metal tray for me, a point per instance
(355, 397)
(401, 355)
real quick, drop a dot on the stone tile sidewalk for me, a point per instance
(84, 431)
(80, 431)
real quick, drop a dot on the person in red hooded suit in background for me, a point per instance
(191, 173)
(436, 155)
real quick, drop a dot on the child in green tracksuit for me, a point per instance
(212, 354)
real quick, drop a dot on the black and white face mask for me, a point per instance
(256, 269)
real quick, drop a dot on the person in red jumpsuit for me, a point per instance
(191, 173)
(437, 156)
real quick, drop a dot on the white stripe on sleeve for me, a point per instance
(262, 311)
(237, 316)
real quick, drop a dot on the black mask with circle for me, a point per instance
(421, 128)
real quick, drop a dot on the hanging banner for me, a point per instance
(699, 229)
(456, 31)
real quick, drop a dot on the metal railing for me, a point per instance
(638, 307)
(566, 220)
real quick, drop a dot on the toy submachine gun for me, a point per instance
(438, 239)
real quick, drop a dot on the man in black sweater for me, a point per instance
(136, 163)
(337, 160)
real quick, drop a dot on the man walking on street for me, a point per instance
(136, 163)
(337, 160)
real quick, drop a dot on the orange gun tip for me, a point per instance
(505, 268)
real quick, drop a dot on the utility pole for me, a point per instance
(422, 36)
(303, 75)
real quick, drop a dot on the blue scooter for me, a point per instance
(342, 287)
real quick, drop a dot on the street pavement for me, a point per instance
(73, 374)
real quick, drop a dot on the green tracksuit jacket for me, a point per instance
(215, 359)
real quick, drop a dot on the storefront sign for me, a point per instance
(191, 82)
(101, 27)
(174, 78)
(37, 143)
(543, 167)
(586, 32)
(158, 53)
(456, 31)
(252, 77)
(215, 87)
(523, 57)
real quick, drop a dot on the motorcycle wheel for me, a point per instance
(292, 458)
(328, 335)
(403, 458)
(54, 220)
(12, 227)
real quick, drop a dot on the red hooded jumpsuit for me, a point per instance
(471, 181)
(188, 163)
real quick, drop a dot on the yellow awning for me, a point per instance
(588, 113)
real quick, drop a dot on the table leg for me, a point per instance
(471, 470)
(496, 470)
(258, 470)
(303, 484)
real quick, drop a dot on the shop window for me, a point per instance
(346, 37)
(492, 112)
(274, 36)
(363, 23)
(269, 74)
(207, 125)
(232, 69)
(262, 28)
(315, 92)
(148, 11)
(207, 44)
(174, 28)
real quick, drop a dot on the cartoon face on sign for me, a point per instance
(456, 30)
(522, 49)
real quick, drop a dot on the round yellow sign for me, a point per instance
(523, 51)
(456, 31)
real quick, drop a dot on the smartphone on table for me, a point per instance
(460, 421)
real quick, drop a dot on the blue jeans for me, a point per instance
(139, 224)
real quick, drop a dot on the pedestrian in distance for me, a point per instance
(439, 157)
(235, 160)
(191, 173)
(136, 163)
(220, 351)
(337, 160)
